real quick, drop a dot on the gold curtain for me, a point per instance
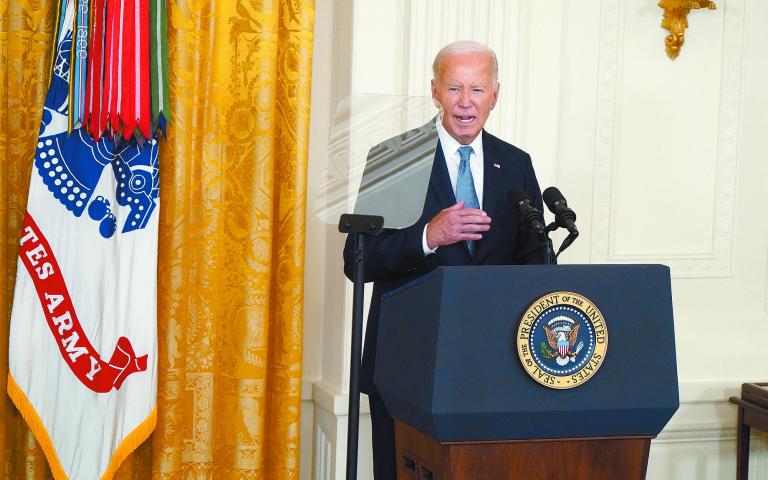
(231, 246)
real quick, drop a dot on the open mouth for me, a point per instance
(465, 119)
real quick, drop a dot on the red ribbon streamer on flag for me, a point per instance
(130, 64)
(118, 98)
(92, 113)
(143, 113)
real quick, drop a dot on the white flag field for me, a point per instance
(83, 336)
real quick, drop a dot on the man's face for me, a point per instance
(464, 87)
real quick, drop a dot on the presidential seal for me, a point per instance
(562, 339)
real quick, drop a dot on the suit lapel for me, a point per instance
(491, 174)
(441, 180)
(491, 188)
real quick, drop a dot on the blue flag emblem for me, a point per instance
(71, 164)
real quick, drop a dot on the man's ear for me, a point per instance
(434, 89)
(495, 95)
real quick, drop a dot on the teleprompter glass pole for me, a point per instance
(360, 226)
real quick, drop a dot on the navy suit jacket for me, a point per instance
(397, 256)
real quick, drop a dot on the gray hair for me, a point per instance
(463, 47)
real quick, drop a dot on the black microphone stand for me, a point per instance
(550, 258)
(361, 226)
(549, 254)
(566, 243)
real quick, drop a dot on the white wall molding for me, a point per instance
(766, 280)
(717, 261)
(335, 402)
(323, 455)
(605, 126)
(328, 429)
(758, 458)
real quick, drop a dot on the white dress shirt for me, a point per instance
(450, 147)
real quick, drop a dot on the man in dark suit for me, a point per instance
(466, 219)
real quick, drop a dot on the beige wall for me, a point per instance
(664, 162)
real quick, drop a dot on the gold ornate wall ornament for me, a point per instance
(676, 21)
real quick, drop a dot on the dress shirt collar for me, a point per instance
(450, 147)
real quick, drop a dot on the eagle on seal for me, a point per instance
(562, 344)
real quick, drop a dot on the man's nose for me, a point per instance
(465, 100)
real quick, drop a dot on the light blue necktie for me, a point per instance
(465, 185)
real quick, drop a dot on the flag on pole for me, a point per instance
(83, 341)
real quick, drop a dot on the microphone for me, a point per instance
(530, 216)
(564, 216)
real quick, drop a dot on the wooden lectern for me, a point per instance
(447, 368)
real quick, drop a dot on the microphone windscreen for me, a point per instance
(515, 196)
(551, 196)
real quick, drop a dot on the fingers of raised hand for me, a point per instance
(468, 227)
(469, 216)
(471, 211)
(478, 220)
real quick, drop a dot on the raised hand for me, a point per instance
(456, 224)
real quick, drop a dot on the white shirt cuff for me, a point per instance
(427, 250)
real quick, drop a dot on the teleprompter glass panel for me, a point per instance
(380, 154)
